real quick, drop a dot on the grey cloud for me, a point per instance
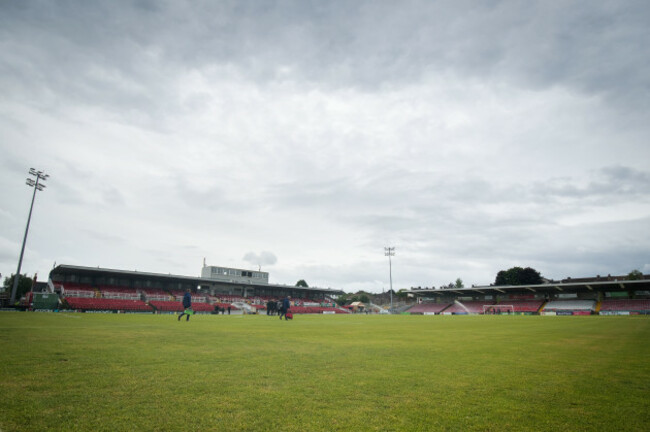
(114, 54)
(213, 199)
(105, 236)
(632, 180)
(361, 274)
(613, 183)
(310, 193)
(96, 59)
(113, 197)
(373, 150)
(8, 250)
(209, 198)
(69, 183)
(262, 259)
(591, 247)
(69, 194)
(448, 216)
(428, 192)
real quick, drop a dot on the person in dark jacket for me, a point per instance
(187, 305)
(286, 305)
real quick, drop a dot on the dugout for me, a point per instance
(46, 301)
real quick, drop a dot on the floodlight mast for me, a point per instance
(389, 252)
(38, 186)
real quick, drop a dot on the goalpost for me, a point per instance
(498, 309)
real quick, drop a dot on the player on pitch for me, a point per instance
(187, 305)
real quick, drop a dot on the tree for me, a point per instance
(518, 276)
(530, 276)
(302, 283)
(635, 275)
(24, 285)
(363, 298)
(459, 283)
(343, 300)
(502, 278)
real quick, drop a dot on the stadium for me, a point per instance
(481, 358)
(86, 289)
(304, 137)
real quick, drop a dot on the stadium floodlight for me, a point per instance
(389, 252)
(38, 186)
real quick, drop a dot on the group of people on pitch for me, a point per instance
(279, 307)
(284, 309)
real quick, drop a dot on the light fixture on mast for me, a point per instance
(389, 252)
(38, 186)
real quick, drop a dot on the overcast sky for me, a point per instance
(306, 136)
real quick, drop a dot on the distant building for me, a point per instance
(227, 274)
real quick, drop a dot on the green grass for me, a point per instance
(96, 372)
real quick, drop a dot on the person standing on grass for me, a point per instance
(286, 305)
(187, 305)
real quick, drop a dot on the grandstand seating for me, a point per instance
(474, 307)
(631, 305)
(120, 293)
(84, 303)
(76, 292)
(78, 286)
(177, 306)
(522, 305)
(202, 307)
(199, 298)
(428, 308)
(154, 292)
(227, 298)
(570, 305)
(477, 306)
(167, 305)
(107, 288)
(225, 306)
(259, 302)
(316, 310)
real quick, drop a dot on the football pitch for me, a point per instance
(128, 372)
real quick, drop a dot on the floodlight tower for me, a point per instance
(38, 186)
(389, 252)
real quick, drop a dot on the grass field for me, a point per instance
(97, 372)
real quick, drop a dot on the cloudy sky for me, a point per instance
(306, 136)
